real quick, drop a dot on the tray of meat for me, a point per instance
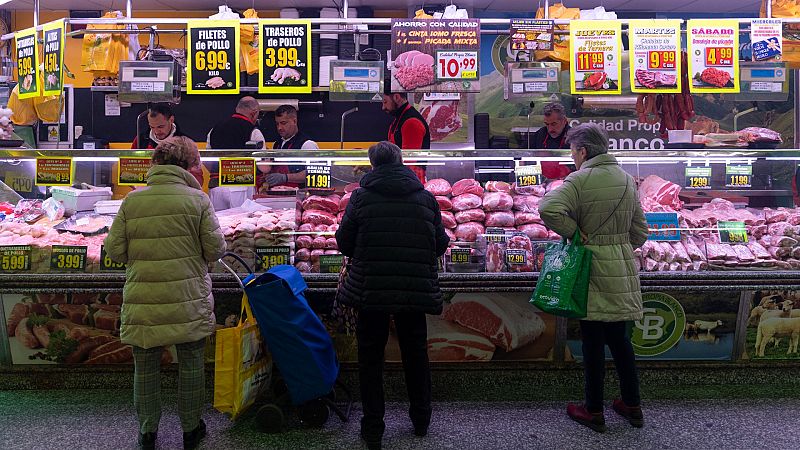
(86, 224)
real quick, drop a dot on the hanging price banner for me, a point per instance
(15, 258)
(107, 264)
(133, 171)
(767, 38)
(596, 64)
(532, 34)
(318, 176)
(237, 172)
(528, 175)
(269, 257)
(53, 57)
(28, 64)
(663, 226)
(285, 57)
(655, 56)
(713, 47)
(698, 178)
(732, 232)
(460, 255)
(68, 258)
(739, 176)
(330, 263)
(213, 57)
(54, 171)
(456, 65)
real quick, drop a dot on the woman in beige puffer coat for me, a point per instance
(167, 234)
(601, 201)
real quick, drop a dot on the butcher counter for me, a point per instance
(700, 316)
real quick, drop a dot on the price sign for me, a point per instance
(107, 264)
(767, 38)
(663, 226)
(68, 258)
(54, 171)
(20, 182)
(318, 177)
(738, 176)
(460, 255)
(269, 257)
(53, 57)
(495, 234)
(330, 263)
(237, 172)
(732, 232)
(516, 257)
(532, 34)
(285, 55)
(456, 65)
(15, 258)
(28, 64)
(713, 55)
(528, 175)
(698, 178)
(596, 64)
(655, 56)
(133, 171)
(213, 57)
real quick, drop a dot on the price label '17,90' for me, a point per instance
(456, 65)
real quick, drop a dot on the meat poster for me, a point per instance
(213, 57)
(595, 49)
(285, 57)
(435, 55)
(655, 56)
(28, 64)
(237, 172)
(53, 57)
(54, 171)
(713, 47)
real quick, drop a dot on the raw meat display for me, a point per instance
(535, 231)
(442, 117)
(445, 204)
(524, 218)
(317, 217)
(414, 69)
(323, 203)
(498, 186)
(467, 186)
(756, 134)
(527, 203)
(245, 230)
(344, 201)
(553, 185)
(538, 191)
(497, 201)
(652, 80)
(469, 231)
(655, 190)
(495, 251)
(448, 341)
(351, 187)
(467, 201)
(470, 215)
(521, 243)
(438, 186)
(500, 219)
(715, 77)
(448, 220)
(507, 324)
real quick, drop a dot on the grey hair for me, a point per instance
(554, 108)
(247, 104)
(590, 136)
(384, 153)
(178, 151)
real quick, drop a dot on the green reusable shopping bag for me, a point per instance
(563, 285)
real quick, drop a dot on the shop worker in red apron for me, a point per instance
(408, 130)
(553, 136)
(291, 138)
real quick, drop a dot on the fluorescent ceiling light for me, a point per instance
(3, 2)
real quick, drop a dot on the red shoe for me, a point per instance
(632, 413)
(580, 414)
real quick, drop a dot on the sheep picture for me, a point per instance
(775, 315)
(707, 326)
(778, 327)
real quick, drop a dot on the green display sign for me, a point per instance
(661, 327)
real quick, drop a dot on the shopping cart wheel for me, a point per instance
(315, 413)
(270, 419)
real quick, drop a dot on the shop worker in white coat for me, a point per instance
(291, 139)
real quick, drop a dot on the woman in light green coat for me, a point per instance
(601, 202)
(167, 234)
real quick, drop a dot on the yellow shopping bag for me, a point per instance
(243, 367)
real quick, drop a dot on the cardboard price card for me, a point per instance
(595, 49)
(54, 171)
(528, 175)
(698, 178)
(713, 47)
(237, 172)
(655, 56)
(213, 62)
(28, 64)
(285, 57)
(269, 257)
(53, 57)
(15, 258)
(133, 171)
(68, 258)
(460, 255)
(107, 264)
(495, 234)
(663, 226)
(532, 34)
(330, 263)
(516, 257)
(766, 35)
(732, 232)
(435, 55)
(738, 176)
(318, 176)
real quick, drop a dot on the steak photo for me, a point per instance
(652, 80)
(443, 118)
(715, 77)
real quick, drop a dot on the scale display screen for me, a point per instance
(763, 73)
(534, 74)
(142, 73)
(356, 73)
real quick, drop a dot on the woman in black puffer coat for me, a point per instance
(392, 231)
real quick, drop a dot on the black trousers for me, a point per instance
(373, 333)
(596, 335)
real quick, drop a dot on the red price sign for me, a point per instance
(456, 65)
(661, 60)
(590, 61)
(719, 56)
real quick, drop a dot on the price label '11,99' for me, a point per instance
(318, 177)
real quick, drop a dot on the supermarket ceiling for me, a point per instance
(675, 6)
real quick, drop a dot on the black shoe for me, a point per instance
(421, 431)
(192, 439)
(147, 441)
(372, 443)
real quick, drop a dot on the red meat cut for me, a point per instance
(660, 191)
(500, 219)
(448, 220)
(497, 201)
(522, 243)
(438, 186)
(470, 215)
(469, 231)
(345, 201)
(652, 80)
(715, 77)
(498, 186)
(524, 218)
(494, 257)
(445, 204)
(467, 201)
(317, 217)
(467, 186)
(595, 81)
(527, 203)
(538, 191)
(317, 202)
(534, 231)
(443, 118)
(351, 187)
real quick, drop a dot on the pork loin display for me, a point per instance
(448, 341)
